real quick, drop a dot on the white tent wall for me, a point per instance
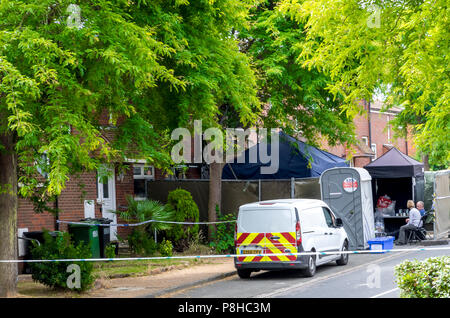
(442, 204)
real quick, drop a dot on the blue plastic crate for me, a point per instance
(381, 243)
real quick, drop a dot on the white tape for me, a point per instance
(141, 223)
(219, 256)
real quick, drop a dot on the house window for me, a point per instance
(374, 149)
(141, 175)
(365, 140)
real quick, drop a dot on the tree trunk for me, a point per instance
(426, 164)
(215, 194)
(8, 213)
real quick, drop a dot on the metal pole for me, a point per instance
(292, 188)
(259, 189)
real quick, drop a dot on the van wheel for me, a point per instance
(343, 260)
(244, 273)
(311, 269)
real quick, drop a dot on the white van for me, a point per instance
(273, 227)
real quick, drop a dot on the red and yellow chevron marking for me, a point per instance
(246, 239)
(272, 243)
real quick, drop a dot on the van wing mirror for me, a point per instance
(339, 222)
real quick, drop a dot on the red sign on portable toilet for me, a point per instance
(350, 185)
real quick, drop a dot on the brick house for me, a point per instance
(375, 136)
(85, 196)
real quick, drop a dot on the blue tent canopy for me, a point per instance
(293, 162)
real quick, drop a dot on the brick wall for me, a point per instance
(71, 202)
(381, 134)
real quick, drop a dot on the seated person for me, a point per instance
(421, 208)
(413, 222)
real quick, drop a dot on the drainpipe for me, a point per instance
(56, 214)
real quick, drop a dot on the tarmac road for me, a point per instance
(365, 276)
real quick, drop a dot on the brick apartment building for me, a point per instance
(375, 136)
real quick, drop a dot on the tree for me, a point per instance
(296, 97)
(400, 47)
(150, 65)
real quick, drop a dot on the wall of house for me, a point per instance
(71, 202)
(381, 134)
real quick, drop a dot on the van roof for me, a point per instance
(304, 203)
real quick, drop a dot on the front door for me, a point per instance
(107, 198)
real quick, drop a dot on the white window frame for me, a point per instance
(142, 176)
(365, 139)
(374, 149)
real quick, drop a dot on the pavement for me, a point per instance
(164, 283)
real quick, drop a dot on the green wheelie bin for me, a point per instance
(89, 234)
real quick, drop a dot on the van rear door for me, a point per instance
(266, 231)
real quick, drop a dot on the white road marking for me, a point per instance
(320, 279)
(385, 293)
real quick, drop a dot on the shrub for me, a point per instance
(223, 237)
(110, 251)
(424, 279)
(141, 239)
(141, 242)
(54, 274)
(186, 210)
(166, 248)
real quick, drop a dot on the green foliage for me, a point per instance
(141, 242)
(141, 239)
(404, 55)
(223, 237)
(186, 210)
(424, 279)
(166, 248)
(296, 96)
(54, 274)
(110, 251)
(152, 67)
(144, 210)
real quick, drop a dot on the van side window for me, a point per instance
(329, 218)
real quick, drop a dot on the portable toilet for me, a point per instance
(348, 192)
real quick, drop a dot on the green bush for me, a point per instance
(141, 239)
(166, 248)
(141, 242)
(54, 274)
(424, 279)
(186, 210)
(223, 237)
(110, 251)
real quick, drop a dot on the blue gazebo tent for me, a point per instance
(296, 160)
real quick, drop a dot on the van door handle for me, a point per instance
(274, 237)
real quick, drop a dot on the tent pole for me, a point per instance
(292, 188)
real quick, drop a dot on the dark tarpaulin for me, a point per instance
(395, 164)
(293, 162)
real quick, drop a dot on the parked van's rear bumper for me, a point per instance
(300, 263)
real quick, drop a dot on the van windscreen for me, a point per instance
(266, 221)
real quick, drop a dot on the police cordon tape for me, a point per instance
(140, 223)
(220, 256)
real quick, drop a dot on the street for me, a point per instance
(365, 276)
